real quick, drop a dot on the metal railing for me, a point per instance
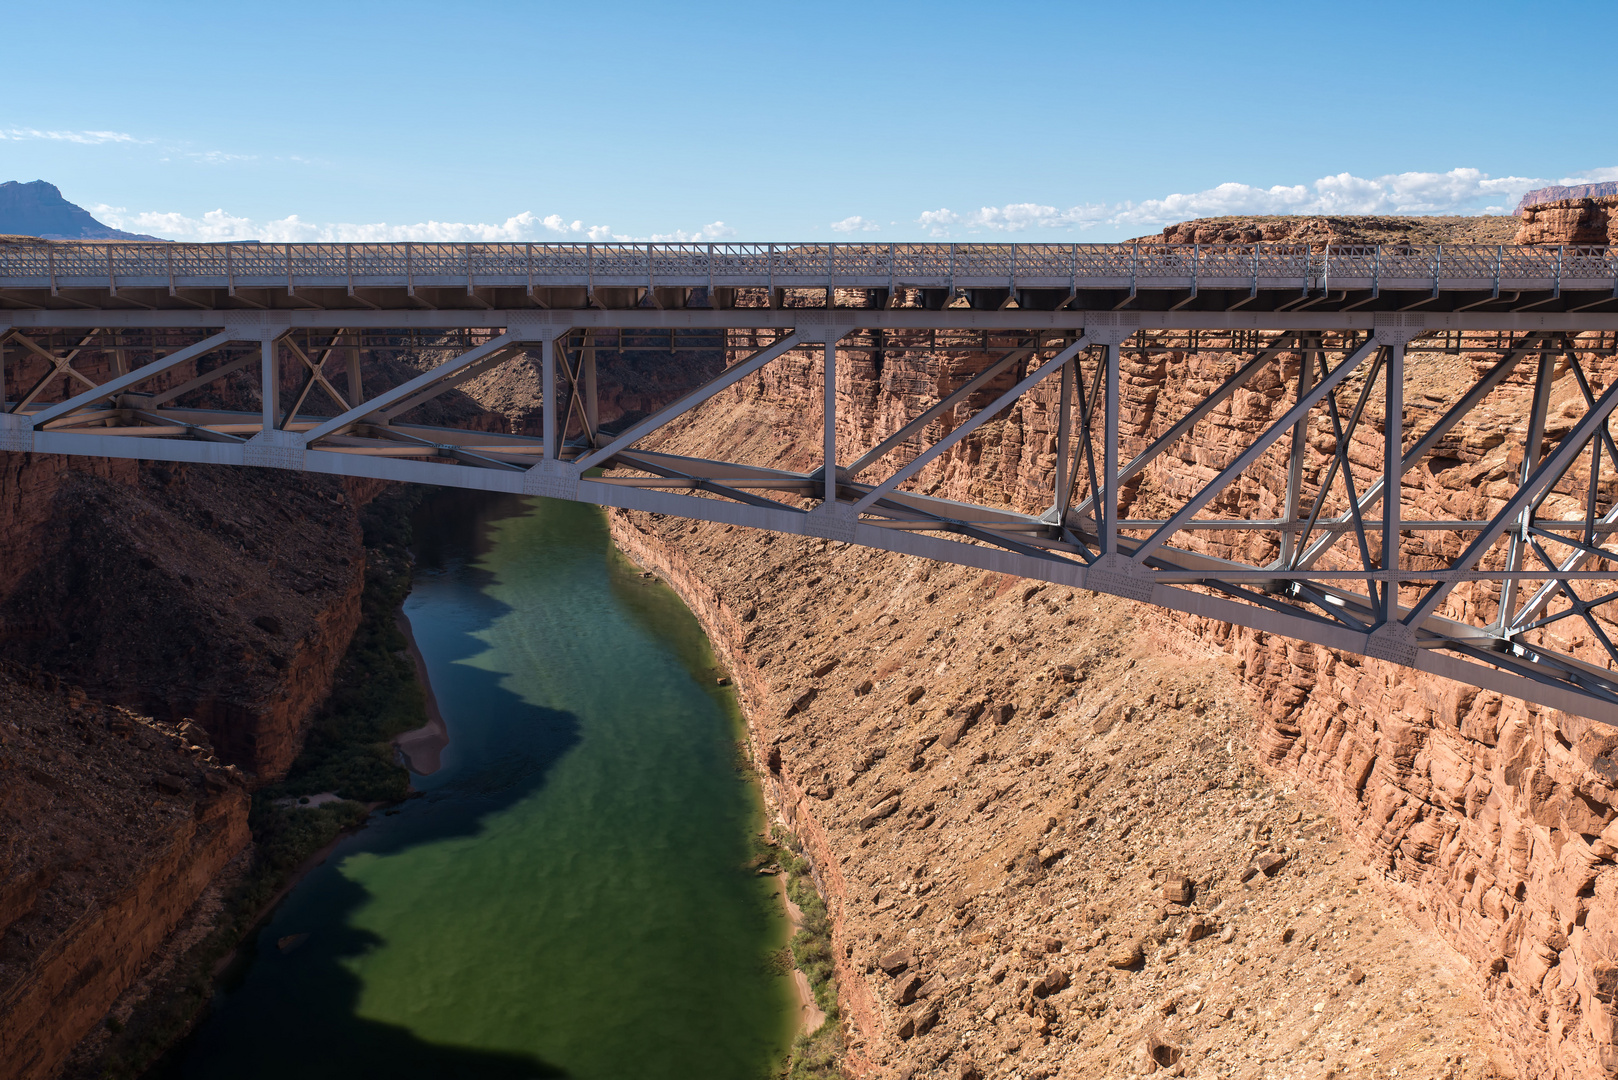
(1015, 266)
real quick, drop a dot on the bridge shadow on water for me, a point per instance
(295, 1009)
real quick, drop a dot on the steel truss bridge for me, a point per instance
(1345, 567)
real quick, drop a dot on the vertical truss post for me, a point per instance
(1392, 471)
(356, 385)
(1108, 518)
(592, 411)
(1064, 437)
(830, 416)
(547, 375)
(270, 382)
(1300, 447)
(1530, 460)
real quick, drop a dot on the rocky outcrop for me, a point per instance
(227, 596)
(1491, 819)
(1590, 220)
(111, 826)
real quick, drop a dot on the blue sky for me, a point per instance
(833, 120)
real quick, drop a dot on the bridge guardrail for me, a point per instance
(1014, 266)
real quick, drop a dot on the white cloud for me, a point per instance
(854, 224)
(1459, 191)
(218, 225)
(714, 230)
(219, 157)
(87, 138)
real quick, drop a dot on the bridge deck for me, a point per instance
(1038, 277)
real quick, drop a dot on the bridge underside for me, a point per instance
(1511, 597)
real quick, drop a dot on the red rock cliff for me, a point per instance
(110, 829)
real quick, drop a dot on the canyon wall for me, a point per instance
(1492, 820)
(167, 632)
(111, 827)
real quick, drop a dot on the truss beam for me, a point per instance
(1352, 371)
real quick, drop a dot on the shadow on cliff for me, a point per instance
(296, 1010)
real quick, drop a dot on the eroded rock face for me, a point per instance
(111, 827)
(155, 587)
(1494, 821)
(1571, 221)
(1361, 229)
(223, 595)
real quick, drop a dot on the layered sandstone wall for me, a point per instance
(111, 827)
(1591, 220)
(227, 596)
(224, 596)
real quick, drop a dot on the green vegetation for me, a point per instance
(374, 697)
(816, 1055)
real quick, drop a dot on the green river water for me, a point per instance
(569, 897)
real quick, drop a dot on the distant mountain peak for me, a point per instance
(38, 209)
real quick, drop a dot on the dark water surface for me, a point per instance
(569, 898)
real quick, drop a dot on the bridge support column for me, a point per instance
(1308, 353)
(1108, 519)
(829, 434)
(356, 385)
(547, 376)
(592, 412)
(270, 383)
(1392, 473)
(1064, 438)
(1532, 442)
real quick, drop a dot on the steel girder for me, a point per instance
(1538, 561)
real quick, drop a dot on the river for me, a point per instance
(569, 897)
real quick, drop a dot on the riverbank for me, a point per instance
(787, 803)
(423, 747)
(811, 1014)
